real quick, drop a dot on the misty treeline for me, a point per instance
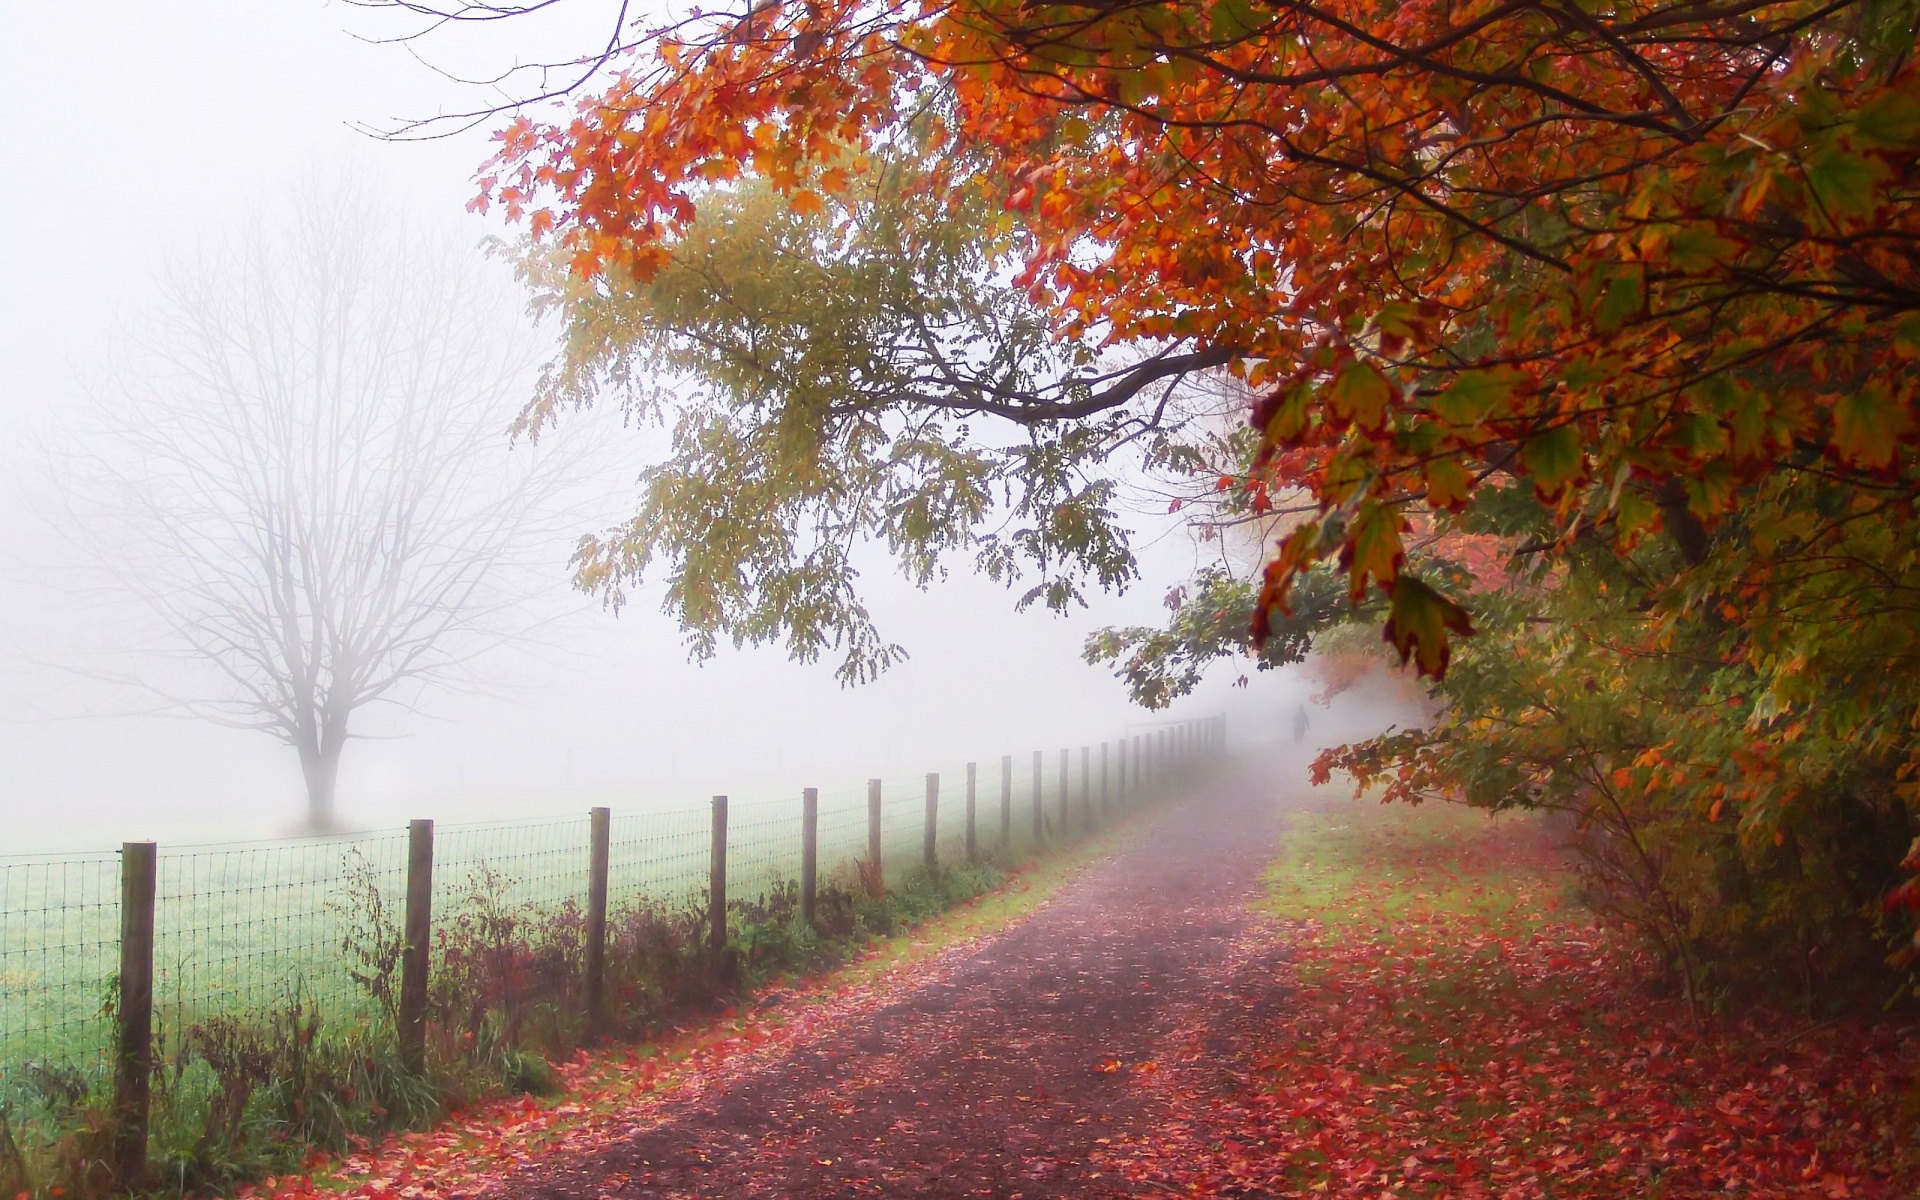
(861, 366)
(289, 492)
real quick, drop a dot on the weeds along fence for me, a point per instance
(446, 939)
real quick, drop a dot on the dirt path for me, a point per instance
(1020, 1069)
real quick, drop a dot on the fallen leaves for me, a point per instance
(1441, 1048)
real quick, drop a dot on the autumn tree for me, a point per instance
(1632, 290)
(296, 471)
(1442, 242)
(851, 369)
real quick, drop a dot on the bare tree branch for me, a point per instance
(301, 474)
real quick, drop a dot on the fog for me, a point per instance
(144, 132)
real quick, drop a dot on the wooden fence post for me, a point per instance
(133, 1049)
(600, 828)
(877, 884)
(973, 843)
(717, 882)
(1066, 796)
(418, 952)
(1039, 798)
(1006, 802)
(930, 855)
(809, 851)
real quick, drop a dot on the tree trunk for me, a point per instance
(320, 764)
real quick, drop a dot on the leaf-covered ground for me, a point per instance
(1428, 1015)
(1401, 1005)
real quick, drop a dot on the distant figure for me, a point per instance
(1300, 725)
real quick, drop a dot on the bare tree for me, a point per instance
(299, 466)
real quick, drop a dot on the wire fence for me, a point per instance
(59, 941)
(249, 927)
(253, 927)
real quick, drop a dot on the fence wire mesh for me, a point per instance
(763, 848)
(249, 928)
(59, 945)
(659, 858)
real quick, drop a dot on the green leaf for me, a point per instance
(1698, 248)
(1448, 483)
(1233, 20)
(1846, 184)
(1475, 394)
(1906, 337)
(1747, 418)
(1868, 425)
(1373, 548)
(1891, 121)
(1622, 297)
(1418, 437)
(1287, 416)
(1361, 394)
(1419, 622)
(1633, 514)
(1554, 460)
(1703, 436)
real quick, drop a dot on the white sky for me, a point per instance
(135, 129)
